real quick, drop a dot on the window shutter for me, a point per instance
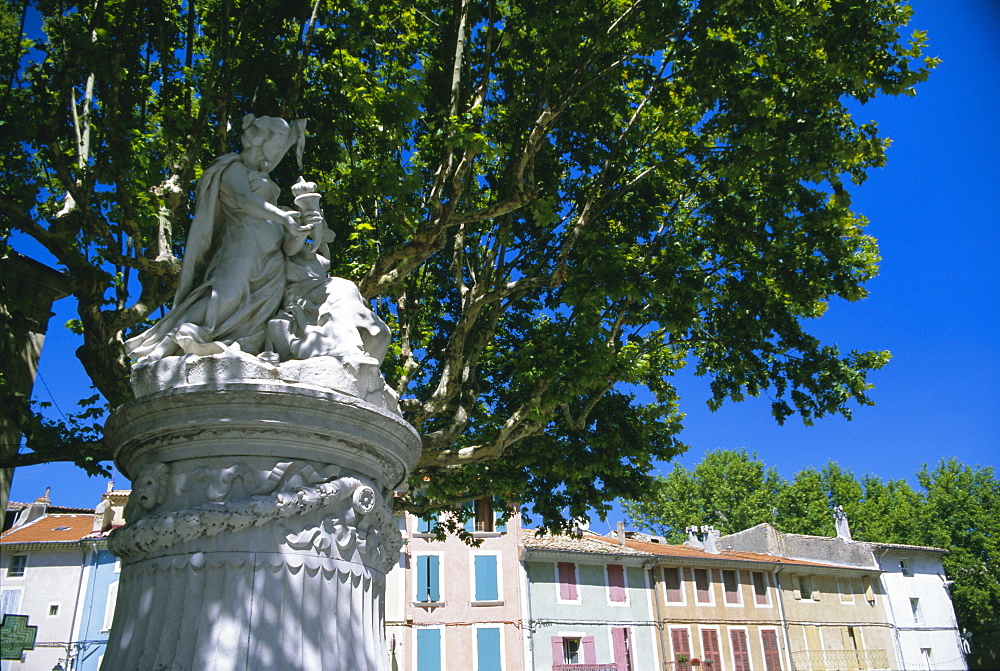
(428, 650)
(760, 587)
(428, 579)
(488, 648)
(498, 509)
(557, 650)
(424, 525)
(710, 646)
(109, 606)
(869, 591)
(486, 578)
(10, 599)
(772, 655)
(731, 586)
(616, 583)
(619, 641)
(567, 581)
(682, 646)
(741, 652)
(469, 507)
(589, 651)
(813, 588)
(672, 580)
(702, 584)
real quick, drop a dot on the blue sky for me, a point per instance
(935, 210)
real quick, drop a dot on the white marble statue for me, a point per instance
(254, 300)
(251, 281)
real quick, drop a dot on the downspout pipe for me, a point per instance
(781, 613)
(657, 611)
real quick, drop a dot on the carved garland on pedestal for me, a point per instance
(353, 515)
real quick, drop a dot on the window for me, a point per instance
(866, 584)
(682, 646)
(926, 654)
(741, 651)
(573, 649)
(486, 581)
(915, 609)
(425, 525)
(16, 567)
(10, 599)
(53, 609)
(428, 585)
(845, 587)
(672, 582)
(772, 653)
(483, 517)
(109, 606)
(760, 595)
(488, 649)
(616, 584)
(806, 590)
(731, 586)
(702, 585)
(710, 648)
(621, 643)
(567, 581)
(905, 569)
(429, 650)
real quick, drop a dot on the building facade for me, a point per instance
(588, 605)
(460, 604)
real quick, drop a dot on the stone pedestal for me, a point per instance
(259, 530)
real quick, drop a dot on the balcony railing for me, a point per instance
(610, 666)
(840, 660)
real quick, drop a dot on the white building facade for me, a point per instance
(927, 633)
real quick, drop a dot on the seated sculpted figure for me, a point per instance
(251, 280)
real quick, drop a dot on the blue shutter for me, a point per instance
(486, 578)
(428, 650)
(469, 509)
(434, 577)
(428, 583)
(498, 510)
(424, 525)
(488, 649)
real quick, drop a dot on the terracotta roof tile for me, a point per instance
(609, 545)
(50, 529)
(587, 543)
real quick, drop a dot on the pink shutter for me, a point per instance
(557, 650)
(589, 651)
(760, 587)
(679, 638)
(741, 653)
(702, 584)
(619, 642)
(732, 586)
(616, 582)
(710, 647)
(567, 581)
(672, 579)
(772, 655)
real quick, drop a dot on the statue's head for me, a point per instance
(274, 137)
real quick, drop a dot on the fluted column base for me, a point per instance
(259, 530)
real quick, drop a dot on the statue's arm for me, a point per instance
(236, 181)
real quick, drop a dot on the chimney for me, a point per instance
(621, 533)
(693, 541)
(711, 535)
(843, 527)
(111, 486)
